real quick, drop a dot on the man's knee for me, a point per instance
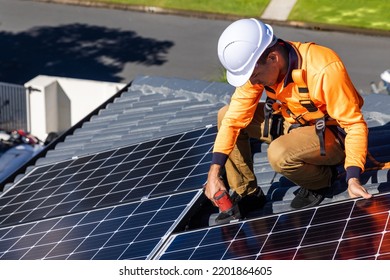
(277, 154)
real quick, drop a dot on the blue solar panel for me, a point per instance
(169, 165)
(126, 203)
(118, 204)
(132, 230)
(351, 229)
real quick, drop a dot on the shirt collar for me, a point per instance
(293, 62)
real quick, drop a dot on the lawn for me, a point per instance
(370, 14)
(245, 8)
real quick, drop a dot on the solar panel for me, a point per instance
(118, 204)
(132, 230)
(125, 203)
(164, 166)
(350, 229)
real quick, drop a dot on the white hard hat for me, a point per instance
(241, 45)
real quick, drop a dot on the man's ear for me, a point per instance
(273, 56)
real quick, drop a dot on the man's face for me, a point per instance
(265, 73)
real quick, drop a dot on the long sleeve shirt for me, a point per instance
(330, 89)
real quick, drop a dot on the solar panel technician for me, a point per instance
(311, 119)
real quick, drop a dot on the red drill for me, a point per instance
(223, 201)
(228, 210)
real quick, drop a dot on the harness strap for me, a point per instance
(299, 77)
(320, 131)
(276, 129)
(267, 115)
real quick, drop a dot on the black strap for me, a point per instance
(308, 104)
(277, 127)
(320, 130)
(267, 115)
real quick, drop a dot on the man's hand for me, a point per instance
(214, 182)
(355, 189)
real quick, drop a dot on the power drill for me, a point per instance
(228, 210)
(223, 201)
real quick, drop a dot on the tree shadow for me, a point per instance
(76, 51)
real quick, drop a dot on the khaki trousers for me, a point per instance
(295, 155)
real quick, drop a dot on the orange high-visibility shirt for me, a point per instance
(330, 88)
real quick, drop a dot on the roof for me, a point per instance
(154, 108)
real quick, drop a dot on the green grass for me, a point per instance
(249, 8)
(371, 14)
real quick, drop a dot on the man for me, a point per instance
(309, 87)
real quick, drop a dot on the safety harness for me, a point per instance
(313, 113)
(273, 108)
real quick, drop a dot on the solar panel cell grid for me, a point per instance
(123, 203)
(125, 174)
(353, 229)
(127, 231)
(101, 206)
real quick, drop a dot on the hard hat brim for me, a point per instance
(238, 80)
